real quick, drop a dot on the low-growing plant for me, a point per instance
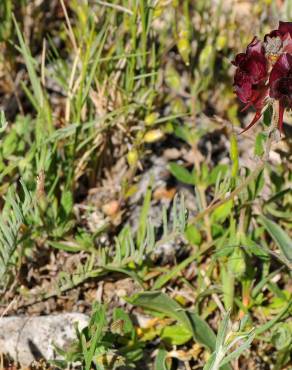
(101, 93)
(102, 344)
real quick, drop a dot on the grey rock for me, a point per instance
(27, 339)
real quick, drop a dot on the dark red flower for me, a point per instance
(280, 83)
(264, 73)
(284, 34)
(251, 76)
(283, 29)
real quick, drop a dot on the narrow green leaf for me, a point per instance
(234, 155)
(227, 279)
(235, 354)
(99, 318)
(175, 334)
(201, 331)
(163, 279)
(257, 289)
(3, 122)
(193, 235)
(66, 246)
(125, 271)
(160, 302)
(160, 360)
(269, 324)
(100, 42)
(220, 171)
(143, 216)
(209, 364)
(67, 201)
(222, 212)
(223, 329)
(281, 238)
(29, 62)
(181, 173)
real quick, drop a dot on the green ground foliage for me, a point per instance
(91, 93)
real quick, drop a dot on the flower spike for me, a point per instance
(264, 73)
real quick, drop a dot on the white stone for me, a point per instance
(30, 338)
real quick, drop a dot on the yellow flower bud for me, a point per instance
(221, 42)
(184, 47)
(152, 136)
(132, 157)
(151, 118)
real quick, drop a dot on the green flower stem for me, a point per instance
(218, 202)
(258, 169)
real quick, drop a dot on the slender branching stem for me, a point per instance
(259, 167)
(219, 202)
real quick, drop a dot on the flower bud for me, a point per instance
(184, 47)
(132, 157)
(153, 136)
(151, 118)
